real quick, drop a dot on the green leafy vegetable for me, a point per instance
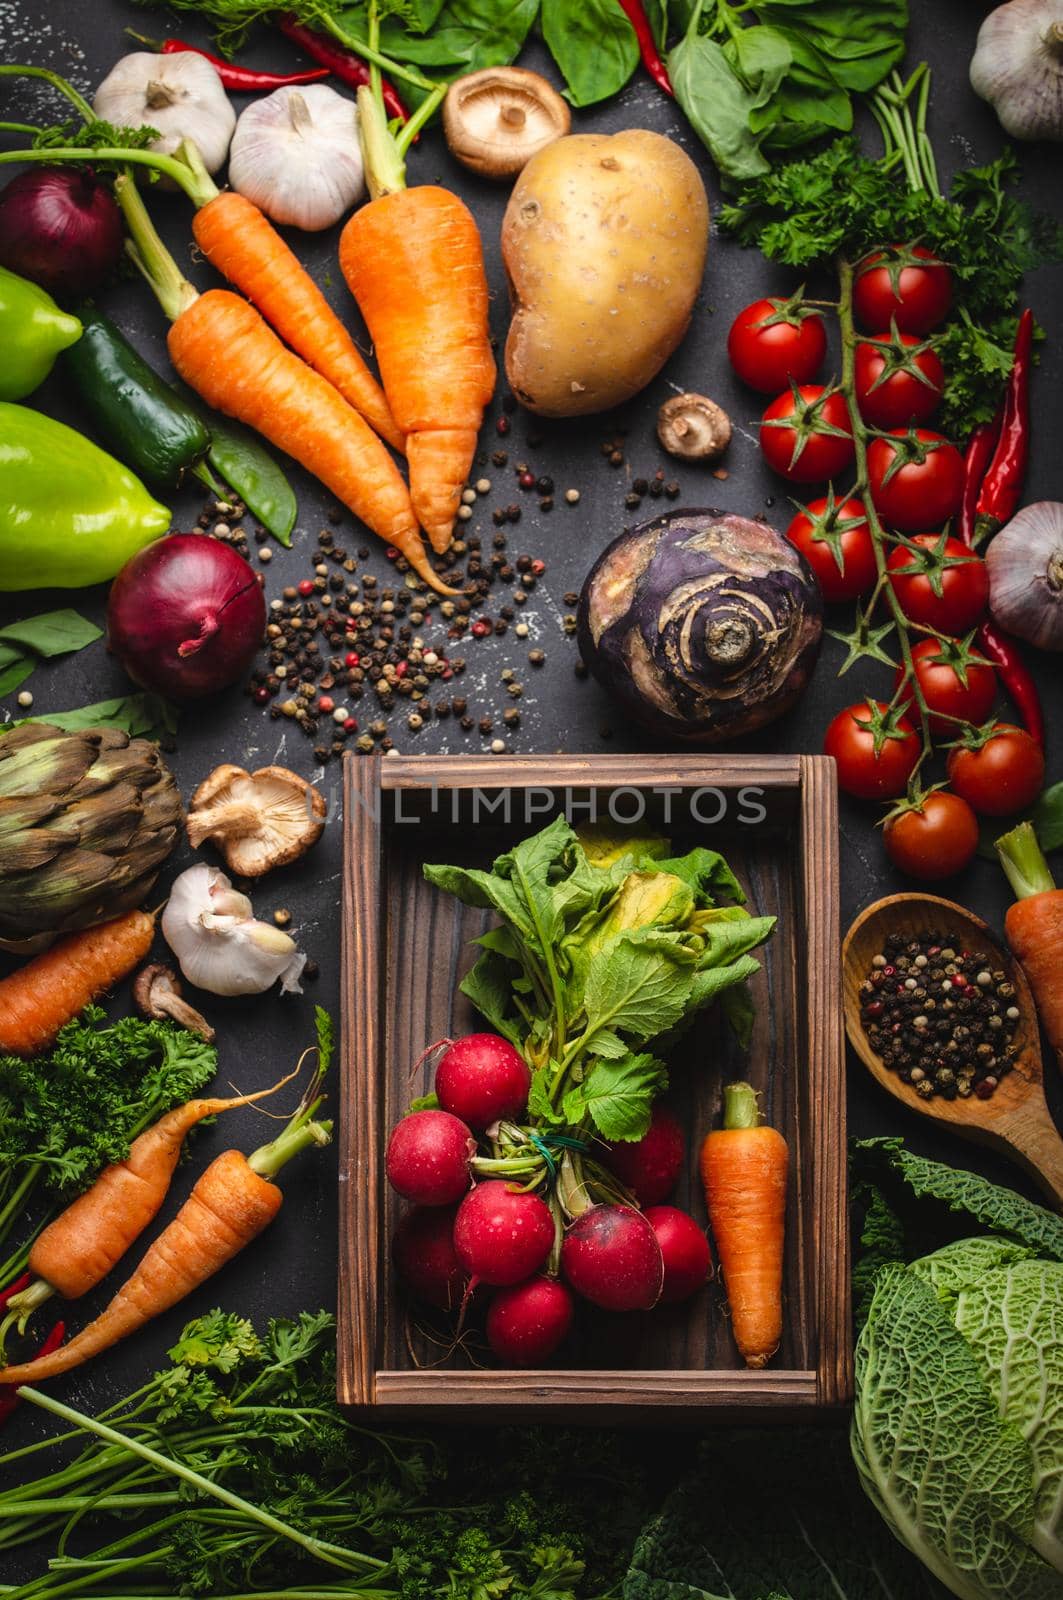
(67, 1114)
(145, 716)
(1048, 818)
(772, 1515)
(317, 1503)
(607, 944)
(53, 633)
(958, 1424)
(594, 45)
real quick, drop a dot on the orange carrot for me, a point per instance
(414, 262)
(48, 991)
(1034, 925)
(224, 351)
(246, 248)
(230, 1204)
(744, 1168)
(77, 1250)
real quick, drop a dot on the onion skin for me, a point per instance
(186, 616)
(703, 625)
(60, 227)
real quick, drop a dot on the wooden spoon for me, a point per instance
(1015, 1119)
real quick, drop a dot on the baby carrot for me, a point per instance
(744, 1168)
(230, 1204)
(40, 997)
(77, 1250)
(1034, 925)
(414, 262)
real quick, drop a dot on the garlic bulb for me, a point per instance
(1025, 565)
(296, 154)
(1018, 67)
(180, 95)
(212, 931)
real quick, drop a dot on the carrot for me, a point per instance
(77, 1250)
(245, 247)
(224, 350)
(744, 1168)
(414, 262)
(1034, 925)
(48, 991)
(230, 1204)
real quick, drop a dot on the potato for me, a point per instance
(604, 241)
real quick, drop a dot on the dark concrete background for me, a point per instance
(294, 1264)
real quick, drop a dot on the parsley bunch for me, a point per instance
(234, 1471)
(67, 1114)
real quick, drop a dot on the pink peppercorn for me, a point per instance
(306, 587)
(538, 567)
(350, 725)
(326, 704)
(352, 658)
(401, 669)
(480, 628)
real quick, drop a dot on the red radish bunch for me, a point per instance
(498, 1232)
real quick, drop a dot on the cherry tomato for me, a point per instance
(805, 434)
(889, 389)
(772, 341)
(1004, 774)
(941, 669)
(916, 296)
(915, 477)
(949, 565)
(850, 739)
(828, 529)
(935, 839)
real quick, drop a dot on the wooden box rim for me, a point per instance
(585, 1392)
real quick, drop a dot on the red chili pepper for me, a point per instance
(978, 455)
(242, 79)
(343, 64)
(651, 59)
(1002, 485)
(9, 1396)
(1003, 652)
(1016, 677)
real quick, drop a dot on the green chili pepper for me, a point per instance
(69, 514)
(140, 417)
(33, 330)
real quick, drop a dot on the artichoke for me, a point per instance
(86, 821)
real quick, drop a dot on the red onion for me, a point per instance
(61, 227)
(185, 616)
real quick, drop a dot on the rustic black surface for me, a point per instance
(294, 1265)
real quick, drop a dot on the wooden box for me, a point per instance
(406, 947)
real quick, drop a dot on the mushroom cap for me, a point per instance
(259, 820)
(694, 427)
(495, 120)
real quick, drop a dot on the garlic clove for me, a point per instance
(226, 952)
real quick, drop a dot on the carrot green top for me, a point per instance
(1023, 860)
(740, 1109)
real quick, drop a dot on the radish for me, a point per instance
(650, 1166)
(611, 1257)
(502, 1235)
(526, 1323)
(423, 1251)
(428, 1158)
(687, 1257)
(481, 1079)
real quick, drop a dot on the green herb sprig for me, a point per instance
(24, 645)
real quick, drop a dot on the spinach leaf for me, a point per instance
(469, 34)
(26, 642)
(808, 102)
(145, 716)
(618, 1095)
(1048, 818)
(861, 40)
(594, 45)
(718, 105)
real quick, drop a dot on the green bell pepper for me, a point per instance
(69, 514)
(33, 330)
